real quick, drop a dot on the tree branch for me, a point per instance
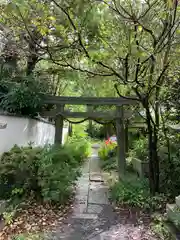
(147, 10)
(157, 84)
(120, 95)
(82, 45)
(68, 65)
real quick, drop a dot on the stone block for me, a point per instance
(96, 177)
(141, 167)
(94, 208)
(173, 214)
(80, 208)
(98, 194)
(85, 216)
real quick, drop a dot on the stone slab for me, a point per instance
(98, 194)
(80, 208)
(84, 180)
(81, 198)
(94, 208)
(96, 145)
(85, 168)
(95, 165)
(97, 177)
(85, 216)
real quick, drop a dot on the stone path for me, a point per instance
(93, 217)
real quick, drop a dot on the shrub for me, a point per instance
(96, 131)
(136, 194)
(109, 164)
(18, 170)
(140, 149)
(106, 149)
(79, 142)
(81, 150)
(57, 173)
(170, 168)
(21, 97)
(78, 133)
(49, 172)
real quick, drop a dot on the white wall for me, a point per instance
(22, 130)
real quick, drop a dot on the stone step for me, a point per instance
(173, 214)
(96, 177)
(85, 216)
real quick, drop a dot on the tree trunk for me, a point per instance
(156, 159)
(150, 154)
(31, 63)
(33, 56)
(153, 154)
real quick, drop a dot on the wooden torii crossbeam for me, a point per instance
(119, 115)
(48, 99)
(111, 115)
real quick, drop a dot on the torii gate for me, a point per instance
(59, 113)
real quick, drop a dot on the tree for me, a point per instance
(128, 42)
(147, 31)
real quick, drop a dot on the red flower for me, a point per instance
(108, 141)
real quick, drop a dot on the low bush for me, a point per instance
(107, 150)
(133, 136)
(108, 156)
(140, 149)
(96, 131)
(21, 96)
(57, 172)
(109, 164)
(160, 227)
(48, 173)
(79, 142)
(18, 171)
(136, 194)
(170, 166)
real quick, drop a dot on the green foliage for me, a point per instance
(80, 142)
(107, 155)
(134, 134)
(96, 131)
(170, 166)
(133, 48)
(48, 173)
(8, 217)
(106, 149)
(109, 164)
(57, 173)
(136, 194)
(29, 236)
(18, 171)
(160, 228)
(140, 149)
(78, 133)
(103, 152)
(21, 96)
